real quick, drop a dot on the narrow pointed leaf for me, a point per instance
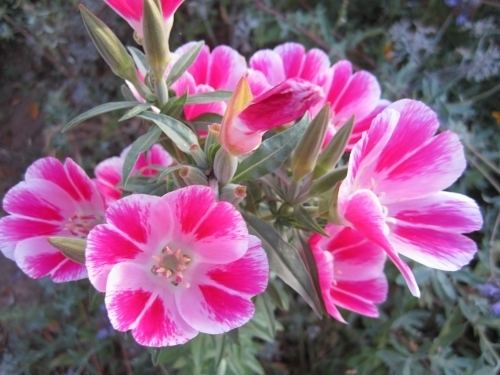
(184, 62)
(140, 60)
(183, 137)
(286, 262)
(304, 220)
(141, 144)
(137, 110)
(73, 248)
(96, 111)
(209, 97)
(271, 153)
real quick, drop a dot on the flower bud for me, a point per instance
(225, 166)
(306, 153)
(233, 193)
(156, 36)
(109, 46)
(73, 248)
(192, 176)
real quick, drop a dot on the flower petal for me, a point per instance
(37, 258)
(227, 67)
(361, 296)
(270, 64)
(364, 212)
(293, 55)
(137, 300)
(248, 275)
(213, 310)
(316, 63)
(105, 248)
(14, 229)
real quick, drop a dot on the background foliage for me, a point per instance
(445, 53)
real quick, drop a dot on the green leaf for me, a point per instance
(209, 97)
(141, 144)
(73, 248)
(286, 262)
(140, 60)
(137, 110)
(184, 62)
(96, 111)
(271, 154)
(183, 137)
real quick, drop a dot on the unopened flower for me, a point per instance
(350, 271)
(132, 11)
(392, 192)
(176, 265)
(247, 118)
(55, 199)
(109, 171)
(219, 69)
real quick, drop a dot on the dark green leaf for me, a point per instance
(271, 154)
(305, 221)
(286, 262)
(96, 111)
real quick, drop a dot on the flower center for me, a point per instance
(171, 264)
(80, 225)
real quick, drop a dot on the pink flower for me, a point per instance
(288, 60)
(132, 11)
(55, 199)
(392, 192)
(109, 172)
(350, 271)
(247, 119)
(220, 69)
(176, 265)
(350, 95)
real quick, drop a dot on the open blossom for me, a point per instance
(176, 265)
(392, 192)
(220, 69)
(247, 118)
(288, 60)
(109, 171)
(132, 11)
(351, 94)
(55, 199)
(350, 271)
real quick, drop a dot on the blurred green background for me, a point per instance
(444, 52)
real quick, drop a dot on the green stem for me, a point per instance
(162, 92)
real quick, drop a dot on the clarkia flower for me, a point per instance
(392, 192)
(132, 12)
(350, 270)
(55, 199)
(288, 60)
(176, 265)
(219, 69)
(352, 94)
(247, 118)
(109, 171)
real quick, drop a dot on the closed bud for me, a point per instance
(225, 166)
(233, 193)
(156, 35)
(306, 153)
(192, 176)
(109, 46)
